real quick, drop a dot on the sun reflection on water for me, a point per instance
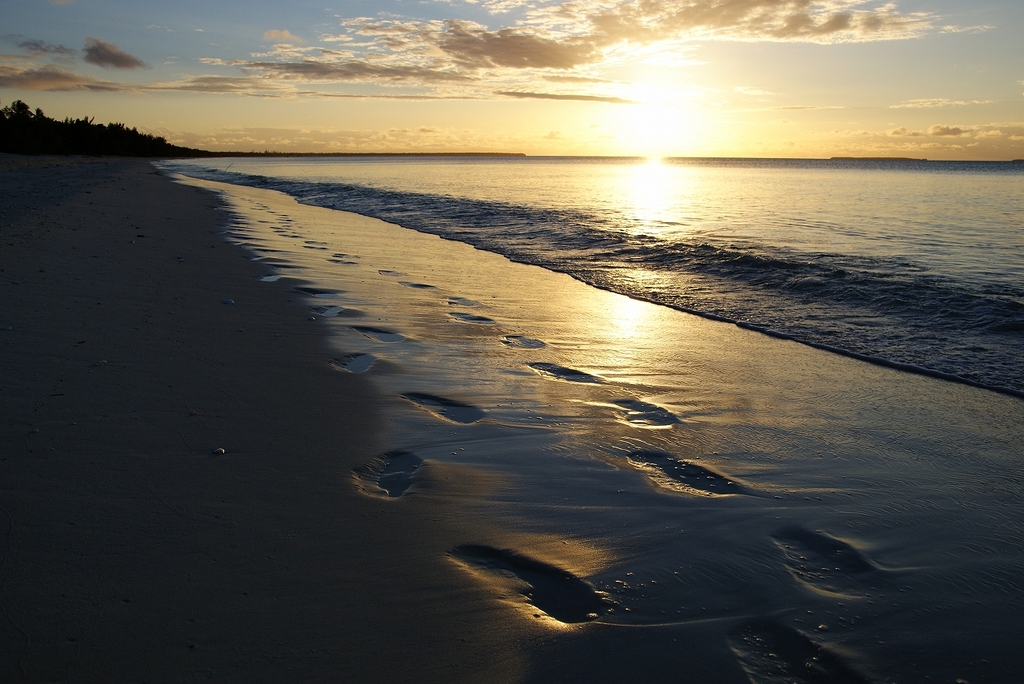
(654, 191)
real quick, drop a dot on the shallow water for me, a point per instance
(917, 263)
(797, 505)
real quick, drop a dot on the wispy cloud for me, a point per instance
(104, 54)
(937, 102)
(35, 48)
(348, 72)
(937, 130)
(904, 132)
(967, 29)
(753, 92)
(947, 131)
(219, 84)
(557, 96)
(51, 78)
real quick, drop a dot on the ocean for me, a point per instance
(910, 263)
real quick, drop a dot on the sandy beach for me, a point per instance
(131, 551)
(439, 465)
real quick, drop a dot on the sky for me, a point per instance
(935, 79)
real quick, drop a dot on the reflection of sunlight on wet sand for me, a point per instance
(627, 317)
(630, 331)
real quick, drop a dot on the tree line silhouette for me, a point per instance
(24, 131)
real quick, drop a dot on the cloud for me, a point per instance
(282, 36)
(947, 131)
(104, 54)
(754, 92)
(478, 48)
(34, 48)
(51, 78)
(903, 132)
(967, 29)
(938, 131)
(346, 72)
(217, 84)
(556, 96)
(558, 78)
(816, 21)
(558, 42)
(581, 33)
(936, 102)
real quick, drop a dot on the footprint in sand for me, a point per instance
(345, 262)
(389, 474)
(449, 409)
(643, 414)
(522, 342)
(379, 334)
(553, 590)
(319, 294)
(354, 363)
(327, 311)
(667, 471)
(825, 562)
(385, 272)
(463, 317)
(770, 653)
(416, 286)
(462, 301)
(556, 372)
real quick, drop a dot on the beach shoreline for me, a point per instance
(132, 549)
(440, 465)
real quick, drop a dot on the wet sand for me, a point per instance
(442, 466)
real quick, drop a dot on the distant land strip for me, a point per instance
(876, 159)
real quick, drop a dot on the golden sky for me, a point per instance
(938, 79)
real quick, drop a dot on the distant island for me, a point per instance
(876, 159)
(27, 131)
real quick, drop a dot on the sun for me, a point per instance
(658, 122)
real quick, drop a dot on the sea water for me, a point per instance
(909, 262)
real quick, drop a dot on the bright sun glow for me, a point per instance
(660, 123)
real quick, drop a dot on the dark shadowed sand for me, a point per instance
(442, 466)
(130, 550)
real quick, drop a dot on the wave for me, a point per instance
(885, 310)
